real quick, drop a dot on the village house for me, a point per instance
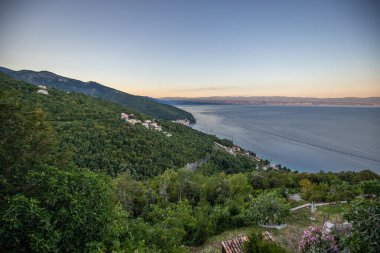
(42, 90)
(149, 124)
(133, 121)
(235, 148)
(45, 92)
(124, 116)
(184, 122)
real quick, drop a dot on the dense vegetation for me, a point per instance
(142, 104)
(91, 134)
(75, 178)
(365, 215)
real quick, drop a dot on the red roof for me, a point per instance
(234, 245)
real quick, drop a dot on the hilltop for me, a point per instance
(142, 104)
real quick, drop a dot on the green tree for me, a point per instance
(240, 188)
(131, 194)
(371, 187)
(175, 224)
(70, 210)
(26, 138)
(26, 227)
(365, 217)
(267, 208)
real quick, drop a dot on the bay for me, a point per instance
(305, 138)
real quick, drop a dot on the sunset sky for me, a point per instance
(323, 48)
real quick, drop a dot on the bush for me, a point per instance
(371, 187)
(314, 240)
(62, 210)
(26, 227)
(365, 218)
(256, 244)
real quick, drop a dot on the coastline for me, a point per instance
(235, 133)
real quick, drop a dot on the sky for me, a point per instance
(322, 48)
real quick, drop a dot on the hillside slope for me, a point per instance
(92, 134)
(142, 104)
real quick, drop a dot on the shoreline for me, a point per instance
(340, 154)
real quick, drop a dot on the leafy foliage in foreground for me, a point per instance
(60, 210)
(365, 215)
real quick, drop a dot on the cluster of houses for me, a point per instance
(233, 150)
(42, 90)
(149, 124)
(184, 122)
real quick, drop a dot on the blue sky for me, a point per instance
(200, 48)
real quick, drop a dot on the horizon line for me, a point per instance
(197, 97)
(267, 96)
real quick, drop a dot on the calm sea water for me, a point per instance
(303, 138)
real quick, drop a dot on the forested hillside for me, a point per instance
(91, 134)
(75, 177)
(142, 104)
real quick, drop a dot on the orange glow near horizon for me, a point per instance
(361, 91)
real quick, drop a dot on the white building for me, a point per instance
(124, 116)
(45, 92)
(133, 121)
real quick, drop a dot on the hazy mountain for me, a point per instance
(142, 104)
(347, 101)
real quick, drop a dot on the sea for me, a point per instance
(303, 138)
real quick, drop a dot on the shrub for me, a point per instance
(371, 187)
(26, 227)
(71, 210)
(314, 240)
(256, 244)
(365, 218)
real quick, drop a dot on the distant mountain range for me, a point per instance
(346, 101)
(146, 105)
